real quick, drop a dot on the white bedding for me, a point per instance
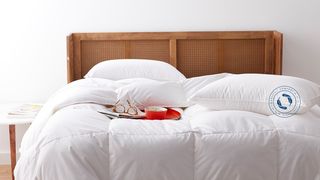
(70, 140)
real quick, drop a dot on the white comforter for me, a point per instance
(69, 140)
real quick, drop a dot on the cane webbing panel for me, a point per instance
(198, 57)
(158, 50)
(193, 53)
(92, 52)
(244, 56)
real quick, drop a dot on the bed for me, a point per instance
(71, 140)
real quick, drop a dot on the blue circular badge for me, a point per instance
(284, 101)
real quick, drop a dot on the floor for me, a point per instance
(5, 172)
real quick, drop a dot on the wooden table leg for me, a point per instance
(12, 132)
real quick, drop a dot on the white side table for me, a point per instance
(12, 122)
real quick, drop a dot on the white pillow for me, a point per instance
(124, 82)
(252, 92)
(153, 93)
(193, 85)
(135, 68)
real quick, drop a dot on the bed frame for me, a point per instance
(192, 53)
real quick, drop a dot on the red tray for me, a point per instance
(171, 115)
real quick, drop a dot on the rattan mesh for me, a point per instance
(243, 56)
(93, 52)
(158, 50)
(197, 57)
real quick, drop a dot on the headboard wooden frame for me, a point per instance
(193, 53)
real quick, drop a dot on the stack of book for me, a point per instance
(24, 111)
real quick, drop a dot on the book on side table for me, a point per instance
(24, 111)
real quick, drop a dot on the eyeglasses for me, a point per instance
(129, 108)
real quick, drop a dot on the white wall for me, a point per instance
(33, 48)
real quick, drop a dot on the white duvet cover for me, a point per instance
(70, 140)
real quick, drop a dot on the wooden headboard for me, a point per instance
(193, 53)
